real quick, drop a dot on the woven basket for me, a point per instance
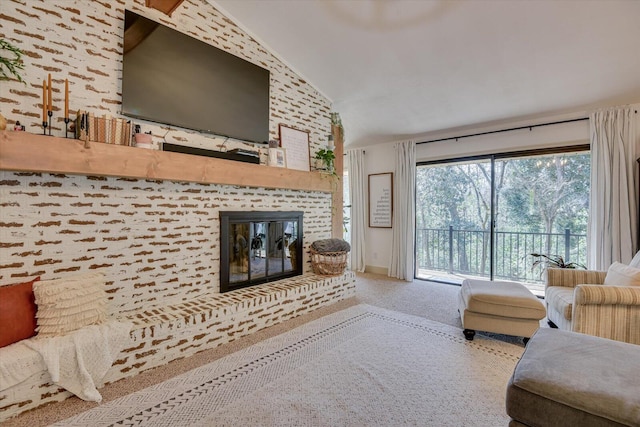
(329, 263)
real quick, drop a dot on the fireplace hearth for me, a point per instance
(259, 247)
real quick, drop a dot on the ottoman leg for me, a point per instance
(469, 334)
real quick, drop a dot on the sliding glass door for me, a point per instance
(484, 217)
(542, 208)
(453, 215)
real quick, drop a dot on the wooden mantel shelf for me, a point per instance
(22, 151)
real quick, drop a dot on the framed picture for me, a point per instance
(296, 144)
(381, 200)
(278, 157)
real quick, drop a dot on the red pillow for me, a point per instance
(17, 312)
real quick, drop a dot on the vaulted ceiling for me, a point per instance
(414, 68)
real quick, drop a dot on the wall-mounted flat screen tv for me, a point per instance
(171, 78)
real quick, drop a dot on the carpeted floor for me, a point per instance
(357, 367)
(419, 298)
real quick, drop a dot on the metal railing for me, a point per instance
(467, 252)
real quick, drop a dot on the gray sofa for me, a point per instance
(571, 379)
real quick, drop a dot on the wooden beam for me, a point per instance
(337, 226)
(22, 151)
(165, 6)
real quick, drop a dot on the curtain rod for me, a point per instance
(363, 151)
(503, 130)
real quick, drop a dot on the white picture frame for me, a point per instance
(296, 144)
(278, 157)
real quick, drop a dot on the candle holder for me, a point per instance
(50, 114)
(66, 127)
(44, 128)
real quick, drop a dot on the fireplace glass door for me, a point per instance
(260, 247)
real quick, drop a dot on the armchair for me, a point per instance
(578, 301)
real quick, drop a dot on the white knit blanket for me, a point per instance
(79, 361)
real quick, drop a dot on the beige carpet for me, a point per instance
(357, 367)
(430, 300)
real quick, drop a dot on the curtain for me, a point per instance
(613, 209)
(402, 260)
(358, 198)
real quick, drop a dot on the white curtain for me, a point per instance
(358, 198)
(402, 260)
(613, 210)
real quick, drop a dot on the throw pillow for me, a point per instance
(331, 245)
(622, 275)
(68, 304)
(635, 262)
(17, 312)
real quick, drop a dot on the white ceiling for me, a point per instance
(416, 68)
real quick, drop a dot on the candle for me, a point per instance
(50, 95)
(66, 98)
(44, 101)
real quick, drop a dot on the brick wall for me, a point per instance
(81, 40)
(157, 239)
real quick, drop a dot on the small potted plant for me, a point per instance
(324, 159)
(553, 261)
(10, 67)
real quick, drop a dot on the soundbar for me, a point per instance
(244, 152)
(236, 155)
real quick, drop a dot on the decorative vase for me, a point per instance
(143, 140)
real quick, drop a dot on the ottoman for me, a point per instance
(500, 307)
(570, 379)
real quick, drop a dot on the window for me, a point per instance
(484, 217)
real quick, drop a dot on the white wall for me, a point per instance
(379, 158)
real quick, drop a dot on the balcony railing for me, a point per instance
(466, 252)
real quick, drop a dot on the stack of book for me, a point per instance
(106, 129)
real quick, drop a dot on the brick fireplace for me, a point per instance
(148, 219)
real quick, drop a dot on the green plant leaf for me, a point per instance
(553, 261)
(10, 61)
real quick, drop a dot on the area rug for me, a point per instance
(357, 367)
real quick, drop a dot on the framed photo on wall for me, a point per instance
(381, 200)
(296, 144)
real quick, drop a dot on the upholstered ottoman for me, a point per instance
(570, 379)
(500, 307)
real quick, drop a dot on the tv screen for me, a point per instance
(171, 78)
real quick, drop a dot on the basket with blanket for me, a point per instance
(329, 256)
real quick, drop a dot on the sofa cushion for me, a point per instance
(17, 312)
(622, 275)
(68, 304)
(560, 298)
